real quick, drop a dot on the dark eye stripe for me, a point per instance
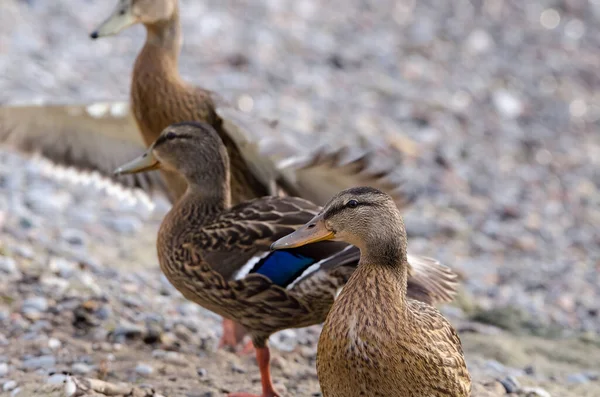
(170, 136)
(337, 209)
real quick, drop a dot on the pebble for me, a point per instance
(144, 369)
(37, 303)
(45, 362)
(578, 378)
(70, 387)
(507, 104)
(54, 343)
(63, 267)
(3, 370)
(9, 385)
(81, 368)
(8, 265)
(202, 372)
(534, 392)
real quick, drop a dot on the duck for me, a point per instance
(160, 97)
(377, 340)
(218, 255)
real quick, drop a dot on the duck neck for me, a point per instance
(386, 262)
(214, 199)
(164, 39)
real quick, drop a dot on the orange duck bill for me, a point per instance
(313, 231)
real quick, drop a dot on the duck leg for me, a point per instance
(233, 334)
(263, 357)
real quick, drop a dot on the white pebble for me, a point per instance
(70, 387)
(3, 370)
(507, 104)
(144, 369)
(54, 343)
(9, 385)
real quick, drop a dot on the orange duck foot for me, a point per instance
(242, 394)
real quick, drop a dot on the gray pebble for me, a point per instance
(81, 368)
(8, 265)
(36, 303)
(144, 369)
(74, 237)
(3, 370)
(15, 392)
(202, 372)
(237, 369)
(510, 383)
(9, 385)
(578, 378)
(45, 362)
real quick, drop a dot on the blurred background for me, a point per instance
(491, 105)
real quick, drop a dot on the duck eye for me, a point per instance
(171, 135)
(352, 204)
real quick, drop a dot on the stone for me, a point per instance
(36, 303)
(9, 385)
(144, 369)
(8, 265)
(44, 362)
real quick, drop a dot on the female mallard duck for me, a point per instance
(218, 256)
(377, 340)
(160, 97)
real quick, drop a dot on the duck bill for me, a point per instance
(312, 232)
(121, 18)
(146, 162)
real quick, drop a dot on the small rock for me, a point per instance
(8, 265)
(74, 237)
(63, 267)
(70, 387)
(144, 369)
(507, 104)
(158, 353)
(175, 358)
(3, 370)
(534, 392)
(36, 303)
(39, 362)
(54, 343)
(577, 378)
(202, 372)
(81, 368)
(510, 383)
(9, 385)
(238, 369)
(15, 392)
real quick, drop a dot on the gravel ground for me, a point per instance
(493, 102)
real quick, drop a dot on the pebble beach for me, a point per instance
(493, 106)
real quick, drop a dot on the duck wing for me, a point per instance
(237, 243)
(97, 137)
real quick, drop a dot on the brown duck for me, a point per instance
(218, 256)
(377, 340)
